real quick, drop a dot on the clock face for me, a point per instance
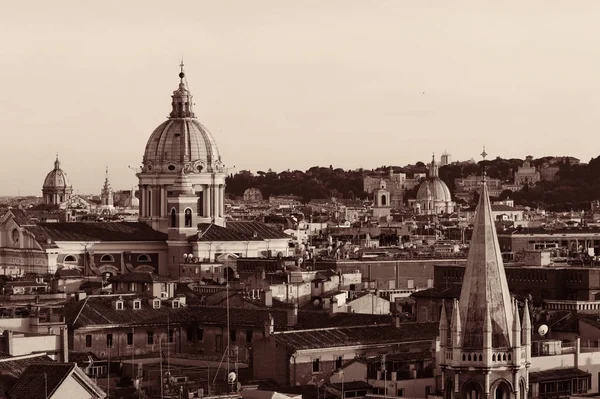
(15, 236)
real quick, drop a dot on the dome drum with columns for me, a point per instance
(56, 188)
(181, 145)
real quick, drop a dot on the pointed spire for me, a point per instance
(516, 319)
(526, 318)
(456, 325)
(443, 317)
(484, 284)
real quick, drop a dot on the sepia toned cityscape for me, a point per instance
(198, 275)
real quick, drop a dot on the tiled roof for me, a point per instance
(11, 369)
(212, 232)
(351, 336)
(450, 292)
(99, 311)
(68, 273)
(99, 231)
(263, 231)
(544, 230)
(556, 374)
(353, 385)
(25, 284)
(21, 217)
(141, 278)
(316, 319)
(41, 380)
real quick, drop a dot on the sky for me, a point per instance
(285, 84)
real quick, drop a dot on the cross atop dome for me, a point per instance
(483, 155)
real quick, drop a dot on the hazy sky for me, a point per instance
(292, 84)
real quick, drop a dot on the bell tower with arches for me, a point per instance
(181, 205)
(485, 350)
(382, 206)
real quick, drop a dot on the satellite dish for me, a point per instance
(543, 330)
(231, 377)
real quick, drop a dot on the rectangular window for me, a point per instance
(119, 305)
(171, 336)
(109, 341)
(232, 335)
(218, 343)
(190, 334)
(429, 283)
(150, 337)
(338, 362)
(199, 334)
(88, 341)
(411, 284)
(129, 339)
(249, 334)
(400, 392)
(316, 365)
(137, 305)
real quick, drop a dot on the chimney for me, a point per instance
(268, 298)
(292, 315)
(65, 344)
(396, 320)
(269, 326)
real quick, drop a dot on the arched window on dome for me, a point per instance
(173, 218)
(383, 200)
(107, 258)
(70, 258)
(188, 217)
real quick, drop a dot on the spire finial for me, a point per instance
(483, 155)
(57, 162)
(181, 73)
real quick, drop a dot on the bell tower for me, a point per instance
(487, 352)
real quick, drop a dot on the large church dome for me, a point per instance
(434, 188)
(56, 178)
(181, 142)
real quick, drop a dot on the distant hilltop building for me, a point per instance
(253, 195)
(445, 160)
(56, 188)
(433, 196)
(527, 175)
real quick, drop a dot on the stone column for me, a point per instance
(163, 201)
(208, 193)
(222, 213)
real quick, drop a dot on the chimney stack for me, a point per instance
(268, 298)
(292, 315)
(269, 326)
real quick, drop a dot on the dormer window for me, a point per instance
(156, 303)
(137, 304)
(119, 305)
(143, 258)
(175, 304)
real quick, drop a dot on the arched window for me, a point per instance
(173, 218)
(107, 258)
(188, 217)
(143, 258)
(383, 200)
(70, 258)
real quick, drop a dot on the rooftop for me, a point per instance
(556, 374)
(356, 336)
(97, 231)
(99, 311)
(141, 278)
(41, 380)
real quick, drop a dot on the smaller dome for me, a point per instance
(435, 189)
(56, 178)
